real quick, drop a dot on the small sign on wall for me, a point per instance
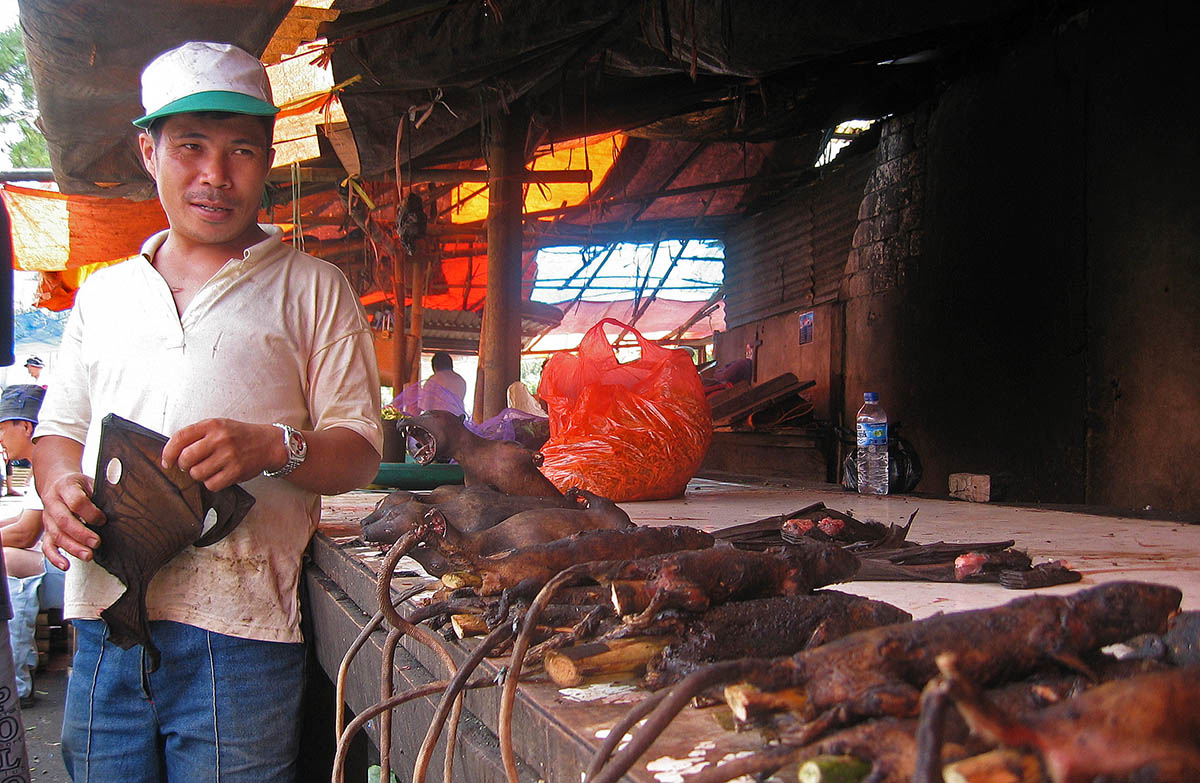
(806, 328)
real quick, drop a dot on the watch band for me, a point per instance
(297, 450)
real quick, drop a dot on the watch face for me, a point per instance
(296, 445)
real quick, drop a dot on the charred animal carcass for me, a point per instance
(503, 465)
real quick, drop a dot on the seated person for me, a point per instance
(445, 390)
(28, 572)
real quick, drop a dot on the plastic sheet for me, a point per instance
(634, 431)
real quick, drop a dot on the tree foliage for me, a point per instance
(19, 136)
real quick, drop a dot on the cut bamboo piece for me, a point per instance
(997, 766)
(618, 659)
(834, 769)
(748, 702)
(468, 625)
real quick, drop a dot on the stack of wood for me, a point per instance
(775, 404)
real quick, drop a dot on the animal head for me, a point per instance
(434, 432)
(390, 521)
(434, 522)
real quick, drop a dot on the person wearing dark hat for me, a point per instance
(256, 360)
(33, 584)
(34, 366)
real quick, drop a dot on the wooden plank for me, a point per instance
(733, 392)
(759, 397)
(768, 390)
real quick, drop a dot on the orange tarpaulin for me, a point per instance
(52, 231)
(66, 238)
(595, 153)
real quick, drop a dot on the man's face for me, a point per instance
(34, 371)
(15, 436)
(210, 173)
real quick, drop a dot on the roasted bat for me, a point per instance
(1141, 730)
(503, 465)
(538, 526)
(880, 672)
(533, 566)
(782, 625)
(468, 510)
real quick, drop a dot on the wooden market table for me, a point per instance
(555, 731)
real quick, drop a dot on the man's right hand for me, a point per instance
(67, 500)
(67, 506)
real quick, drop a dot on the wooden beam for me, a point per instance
(27, 175)
(803, 175)
(330, 174)
(501, 336)
(420, 274)
(399, 338)
(702, 311)
(460, 176)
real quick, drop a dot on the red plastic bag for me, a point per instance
(634, 431)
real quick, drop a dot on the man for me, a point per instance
(445, 389)
(34, 366)
(256, 360)
(32, 583)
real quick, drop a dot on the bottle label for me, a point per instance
(874, 434)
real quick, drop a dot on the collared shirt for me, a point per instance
(274, 336)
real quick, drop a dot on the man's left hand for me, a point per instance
(224, 452)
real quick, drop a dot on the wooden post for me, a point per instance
(399, 339)
(420, 269)
(477, 396)
(500, 352)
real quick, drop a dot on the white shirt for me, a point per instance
(274, 336)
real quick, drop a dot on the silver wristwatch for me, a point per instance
(297, 450)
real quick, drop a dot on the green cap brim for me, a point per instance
(213, 100)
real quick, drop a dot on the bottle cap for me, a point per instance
(870, 397)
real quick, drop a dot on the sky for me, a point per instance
(695, 275)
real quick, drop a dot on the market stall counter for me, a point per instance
(556, 731)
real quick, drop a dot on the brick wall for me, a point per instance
(888, 238)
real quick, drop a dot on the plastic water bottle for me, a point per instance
(872, 447)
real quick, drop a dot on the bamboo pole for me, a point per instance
(399, 340)
(420, 276)
(501, 338)
(615, 659)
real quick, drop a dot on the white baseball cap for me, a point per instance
(205, 76)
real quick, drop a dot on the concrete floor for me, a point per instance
(43, 726)
(43, 721)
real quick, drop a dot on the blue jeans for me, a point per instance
(218, 708)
